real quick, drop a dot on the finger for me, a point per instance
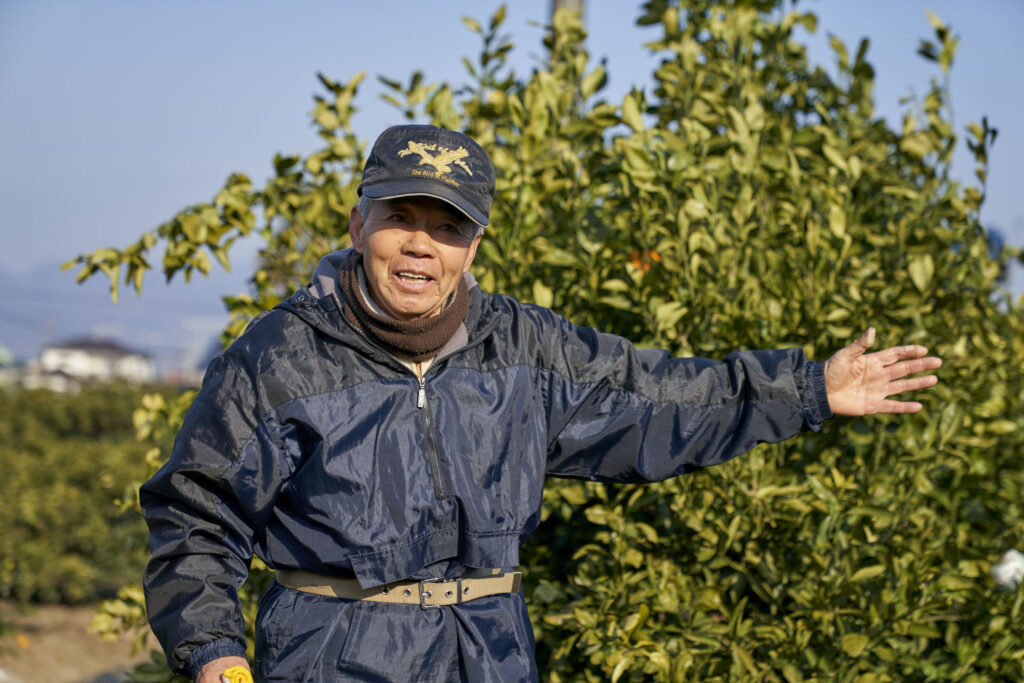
(860, 345)
(865, 341)
(901, 407)
(912, 384)
(894, 354)
(912, 367)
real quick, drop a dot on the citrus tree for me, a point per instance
(741, 197)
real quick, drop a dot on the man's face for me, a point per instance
(415, 250)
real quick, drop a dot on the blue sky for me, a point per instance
(115, 114)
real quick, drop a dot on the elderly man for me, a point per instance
(381, 439)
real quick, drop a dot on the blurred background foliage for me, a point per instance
(741, 197)
(64, 457)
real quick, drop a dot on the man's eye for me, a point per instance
(396, 218)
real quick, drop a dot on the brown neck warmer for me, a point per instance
(414, 340)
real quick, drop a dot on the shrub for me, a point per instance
(65, 458)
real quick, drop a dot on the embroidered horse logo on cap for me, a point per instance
(442, 160)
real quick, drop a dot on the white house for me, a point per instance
(97, 359)
(60, 382)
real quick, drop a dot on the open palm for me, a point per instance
(860, 383)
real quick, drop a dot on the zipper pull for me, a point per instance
(421, 400)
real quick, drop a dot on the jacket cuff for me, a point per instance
(204, 654)
(817, 410)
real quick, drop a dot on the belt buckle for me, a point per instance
(424, 593)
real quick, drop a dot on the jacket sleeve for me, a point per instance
(618, 413)
(203, 508)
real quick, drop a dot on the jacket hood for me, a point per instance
(320, 305)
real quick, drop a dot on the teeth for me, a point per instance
(414, 276)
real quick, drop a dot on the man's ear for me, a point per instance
(472, 251)
(355, 229)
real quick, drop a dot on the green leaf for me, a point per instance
(695, 210)
(498, 18)
(669, 314)
(620, 669)
(1001, 427)
(837, 220)
(921, 270)
(556, 256)
(593, 82)
(835, 158)
(744, 657)
(854, 644)
(840, 49)
(952, 582)
(631, 113)
(615, 285)
(755, 116)
(867, 573)
(542, 294)
(809, 21)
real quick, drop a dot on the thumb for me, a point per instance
(864, 342)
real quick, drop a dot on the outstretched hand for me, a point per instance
(860, 383)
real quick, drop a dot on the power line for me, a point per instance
(85, 298)
(16, 323)
(46, 332)
(27, 324)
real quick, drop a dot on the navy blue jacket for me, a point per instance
(306, 447)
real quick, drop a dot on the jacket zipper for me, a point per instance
(428, 425)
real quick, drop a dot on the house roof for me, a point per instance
(101, 347)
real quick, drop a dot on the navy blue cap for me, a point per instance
(413, 160)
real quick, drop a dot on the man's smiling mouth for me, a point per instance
(405, 275)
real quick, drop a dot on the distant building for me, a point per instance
(58, 381)
(97, 359)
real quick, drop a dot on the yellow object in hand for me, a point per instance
(236, 674)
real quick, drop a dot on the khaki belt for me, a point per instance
(427, 593)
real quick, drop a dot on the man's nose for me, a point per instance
(418, 242)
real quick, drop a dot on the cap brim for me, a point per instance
(406, 188)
